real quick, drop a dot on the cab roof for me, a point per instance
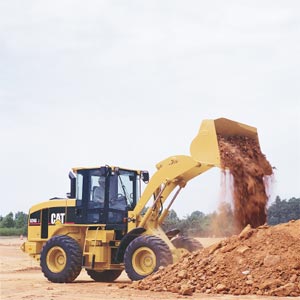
(75, 169)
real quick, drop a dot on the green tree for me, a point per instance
(10, 225)
(172, 221)
(194, 223)
(8, 221)
(282, 211)
(197, 215)
(20, 219)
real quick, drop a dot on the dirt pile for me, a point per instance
(249, 168)
(261, 261)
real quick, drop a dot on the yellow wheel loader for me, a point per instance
(119, 228)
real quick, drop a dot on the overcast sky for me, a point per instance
(127, 83)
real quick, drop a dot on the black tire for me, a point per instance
(104, 276)
(144, 255)
(187, 243)
(61, 259)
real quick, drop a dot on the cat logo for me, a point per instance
(58, 218)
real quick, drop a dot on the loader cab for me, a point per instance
(105, 195)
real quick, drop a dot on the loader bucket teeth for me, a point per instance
(204, 148)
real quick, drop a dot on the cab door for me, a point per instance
(88, 210)
(80, 209)
(117, 205)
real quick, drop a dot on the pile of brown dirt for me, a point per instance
(261, 261)
(249, 168)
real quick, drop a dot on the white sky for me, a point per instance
(86, 83)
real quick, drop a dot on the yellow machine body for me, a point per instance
(99, 244)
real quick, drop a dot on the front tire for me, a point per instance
(144, 255)
(104, 276)
(61, 259)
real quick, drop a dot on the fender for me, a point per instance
(126, 240)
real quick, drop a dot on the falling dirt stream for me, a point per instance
(250, 170)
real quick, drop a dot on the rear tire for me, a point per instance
(104, 276)
(61, 259)
(187, 243)
(144, 255)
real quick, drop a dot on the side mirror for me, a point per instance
(145, 176)
(72, 193)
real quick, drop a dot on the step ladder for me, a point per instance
(89, 256)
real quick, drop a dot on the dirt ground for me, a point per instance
(21, 278)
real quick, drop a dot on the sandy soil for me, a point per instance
(21, 278)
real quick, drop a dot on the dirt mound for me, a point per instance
(249, 168)
(261, 261)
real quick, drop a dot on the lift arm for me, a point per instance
(178, 170)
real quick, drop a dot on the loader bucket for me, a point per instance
(205, 149)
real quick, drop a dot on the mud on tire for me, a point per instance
(144, 255)
(61, 259)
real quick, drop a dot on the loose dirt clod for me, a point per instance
(261, 261)
(249, 168)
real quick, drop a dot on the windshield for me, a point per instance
(128, 187)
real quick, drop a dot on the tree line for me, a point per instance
(14, 224)
(219, 223)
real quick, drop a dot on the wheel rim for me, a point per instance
(182, 251)
(56, 259)
(144, 261)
